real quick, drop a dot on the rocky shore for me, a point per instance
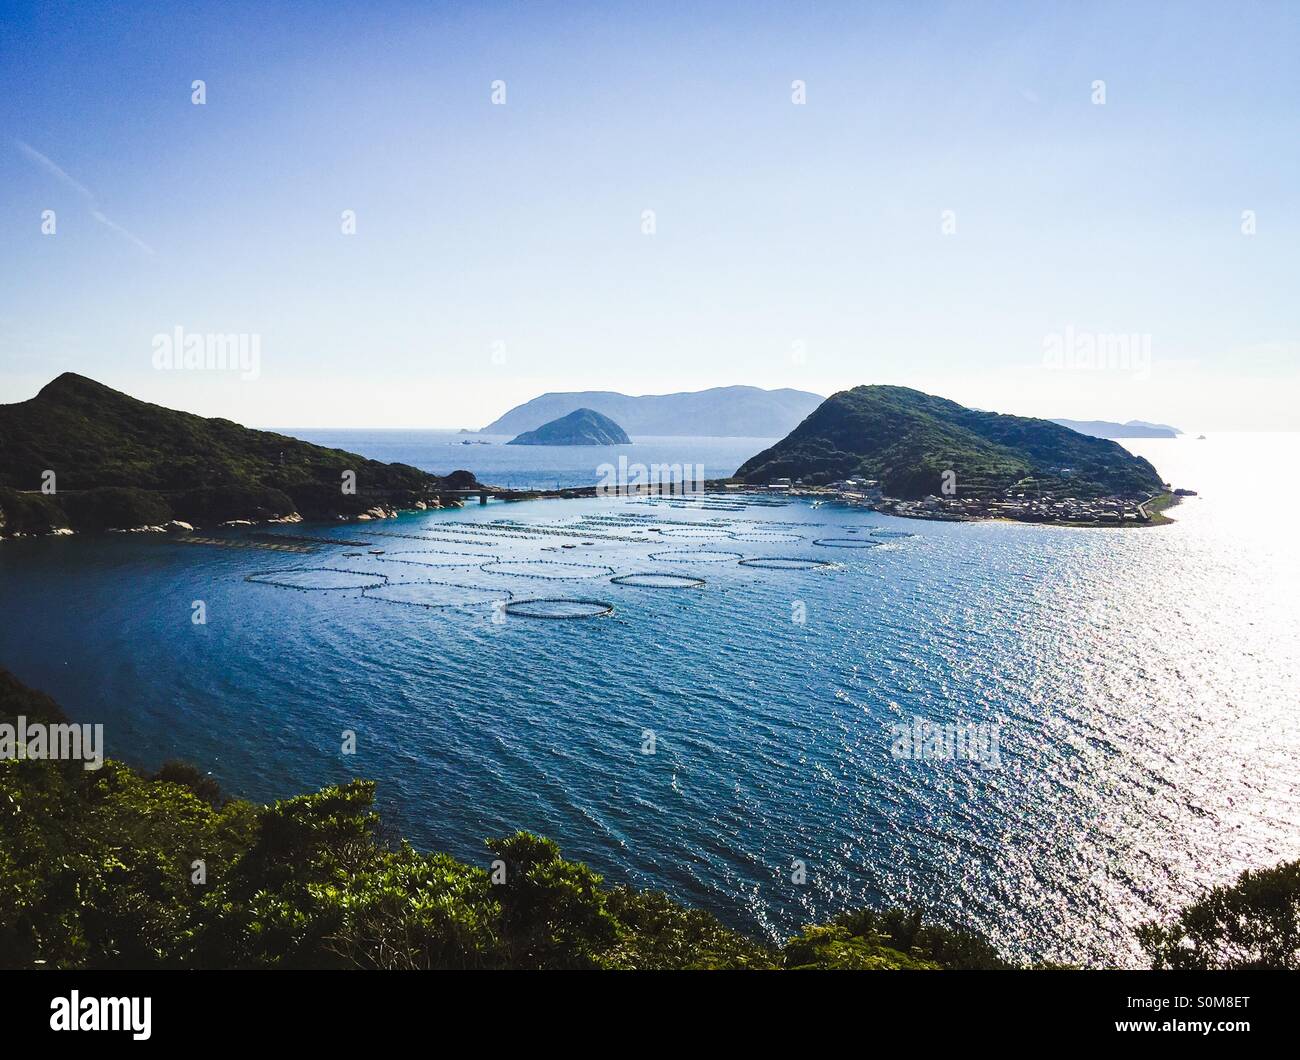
(27, 515)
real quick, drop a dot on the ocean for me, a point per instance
(736, 743)
(533, 466)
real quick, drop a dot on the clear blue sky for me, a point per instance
(776, 224)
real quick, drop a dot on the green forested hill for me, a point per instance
(907, 440)
(147, 463)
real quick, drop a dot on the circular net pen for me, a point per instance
(846, 542)
(763, 537)
(545, 569)
(450, 559)
(433, 595)
(612, 523)
(703, 555)
(558, 608)
(695, 533)
(785, 563)
(318, 579)
(653, 580)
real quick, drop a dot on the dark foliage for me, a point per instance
(209, 505)
(868, 939)
(120, 507)
(190, 778)
(1252, 923)
(29, 513)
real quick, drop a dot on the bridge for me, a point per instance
(504, 494)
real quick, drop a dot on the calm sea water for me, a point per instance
(533, 466)
(1144, 680)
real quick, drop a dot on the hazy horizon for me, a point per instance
(453, 428)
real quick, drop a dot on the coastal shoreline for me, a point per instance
(882, 505)
(1156, 506)
(1158, 518)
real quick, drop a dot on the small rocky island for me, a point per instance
(579, 427)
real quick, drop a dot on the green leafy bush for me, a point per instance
(894, 938)
(1252, 923)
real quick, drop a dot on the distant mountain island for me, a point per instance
(723, 412)
(906, 441)
(1131, 429)
(580, 427)
(120, 463)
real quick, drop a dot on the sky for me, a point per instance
(968, 199)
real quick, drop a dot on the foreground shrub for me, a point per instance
(1252, 923)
